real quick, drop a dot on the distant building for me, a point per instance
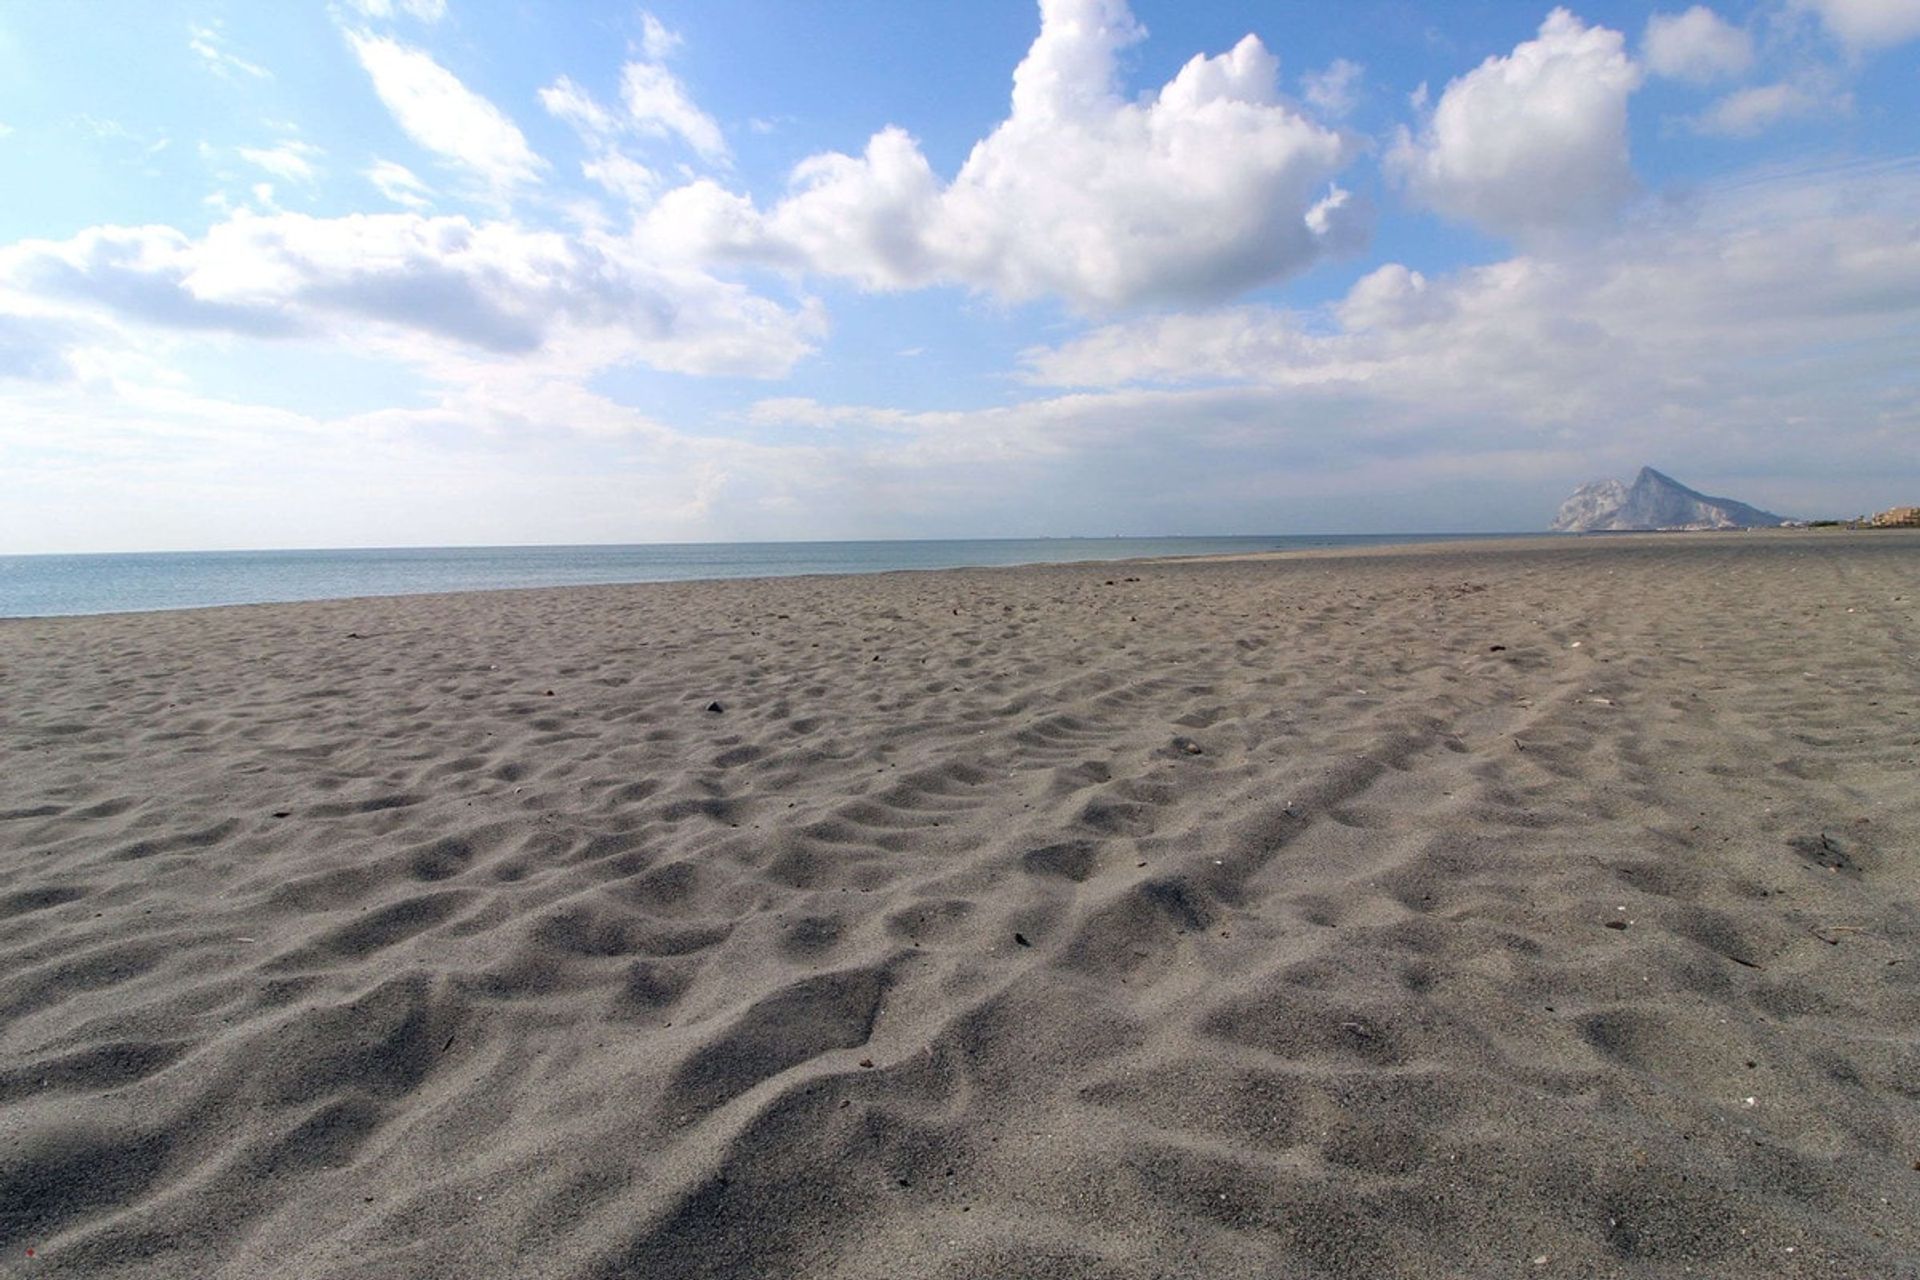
(1898, 518)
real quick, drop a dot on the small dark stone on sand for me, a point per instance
(1021, 938)
(1496, 648)
(283, 813)
(867, 1063)
(1616, 924)
(715, 707)
(549, 693)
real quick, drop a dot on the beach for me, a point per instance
(1476, 910)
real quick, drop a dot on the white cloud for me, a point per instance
(1775, 321)
(32, 349)
(292, 160)
(658, 105)
(601, 129)
(423, 10)
(1336, 90)
(149, 462)
(622, 176)
(444, 116)
(1767, 331)
(566, 100)
(1864, 25)
(656, 41)
(1533, 141)
(1208, 187)
(804, 411)
(1746, 112)
(432, 290)
(399, 184)
(210, 42)
(1225, 345)
(1698, 45)
(1391, 297)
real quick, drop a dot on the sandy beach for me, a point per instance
(1495, 910)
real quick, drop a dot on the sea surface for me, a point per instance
(38, 586)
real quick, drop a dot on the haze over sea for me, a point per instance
(44, 586)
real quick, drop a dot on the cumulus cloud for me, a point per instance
(1746, 112)
(1393, 296)
(1777, 317)
(429, 288)
(1768, 331)
(1864, 25)
(1534, 141)
(1698, 45)
(1209, 186)
(444, 116)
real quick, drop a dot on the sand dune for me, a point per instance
(1463, 912)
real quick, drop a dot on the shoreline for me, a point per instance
(1414, 543)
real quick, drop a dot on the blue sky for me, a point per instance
(385, 272)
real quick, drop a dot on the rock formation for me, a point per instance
(1654, 501)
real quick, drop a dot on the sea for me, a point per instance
(50, 585)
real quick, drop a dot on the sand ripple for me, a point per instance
(1390, 914)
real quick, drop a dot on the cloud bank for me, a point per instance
(432, 285)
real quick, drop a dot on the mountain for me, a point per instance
(1654, 501)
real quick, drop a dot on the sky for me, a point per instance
(456, 272)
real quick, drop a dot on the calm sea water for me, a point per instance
(35, 586)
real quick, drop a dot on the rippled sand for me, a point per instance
(1477, 911)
